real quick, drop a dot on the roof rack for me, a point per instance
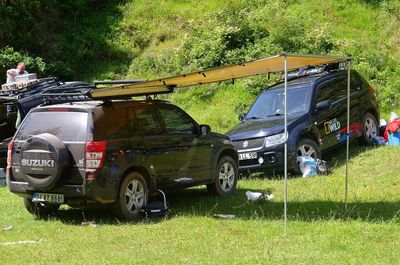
(68, 93)
(42, 84)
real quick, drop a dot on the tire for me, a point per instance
(50, 149)
(40, 210)
(128, 206)
(370, 128)
(306, 147)
(226, 177)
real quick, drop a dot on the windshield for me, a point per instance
(68, 126)
(271, 102)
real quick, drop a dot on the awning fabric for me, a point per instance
(271, 64)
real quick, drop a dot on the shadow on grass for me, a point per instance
(198, 203)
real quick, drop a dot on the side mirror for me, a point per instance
(323, 105)
(205, 129)
(241, 117)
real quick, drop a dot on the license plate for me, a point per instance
(48, 197)
(246, 156)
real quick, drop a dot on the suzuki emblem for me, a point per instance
(245, 144)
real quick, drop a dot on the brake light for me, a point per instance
(9, 157)
(371, 90)
(95, 154)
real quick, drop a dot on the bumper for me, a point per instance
(88, 192)
(271, 158)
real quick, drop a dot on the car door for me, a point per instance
(328, 121)
(156, 148)
(194, 150)
(339, 85)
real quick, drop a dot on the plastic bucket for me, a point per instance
(394, 138)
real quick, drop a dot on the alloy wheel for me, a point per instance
(306, 150)
(370, 128)
(134, 196)
(226, 177)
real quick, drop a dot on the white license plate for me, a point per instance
(48, 197)
(246, 156)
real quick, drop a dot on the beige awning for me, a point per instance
(271, 64)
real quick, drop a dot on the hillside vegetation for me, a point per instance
(151, 39)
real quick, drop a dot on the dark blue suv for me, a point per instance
(317, 119)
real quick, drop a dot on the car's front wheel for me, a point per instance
(306, 148)
(40, 210)
(226, 177)
(132, 196)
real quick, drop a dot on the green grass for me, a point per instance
(320, 230)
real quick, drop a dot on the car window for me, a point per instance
(117, 125)
(176, 121)
(148, 122)
(271, 102)
(133, 124)
(55, 123)
(328, 91)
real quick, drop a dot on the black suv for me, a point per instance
(317, 120)
(114, 152)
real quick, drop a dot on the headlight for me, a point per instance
(275, 139)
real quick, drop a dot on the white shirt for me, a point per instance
(11, 79)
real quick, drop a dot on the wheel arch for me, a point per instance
(373, 112)
(141, 170)
(228, 152)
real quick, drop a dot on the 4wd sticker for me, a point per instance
(332, 126)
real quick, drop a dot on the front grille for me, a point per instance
(249, 144)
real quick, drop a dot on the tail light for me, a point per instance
(9, 157)
(371, 90)
(95, 154)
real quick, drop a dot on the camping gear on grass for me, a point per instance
(254, 196)
(378, 140)
(312, 167)
(394, 138)
(157, 209)
(392, 133)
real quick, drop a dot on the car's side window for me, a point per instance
(148, 122)
(339, 89)
(324, 92)
(133, 124)
(176, 121)
(116, 123)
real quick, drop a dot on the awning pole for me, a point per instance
(285, 151)
(348, 133)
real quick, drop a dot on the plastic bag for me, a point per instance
(308, 166)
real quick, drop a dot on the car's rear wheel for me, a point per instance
(226, 177)
(40, 210)
(132, 196)
(370, 128)
(306, 147)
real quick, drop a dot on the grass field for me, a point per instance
(320, 230)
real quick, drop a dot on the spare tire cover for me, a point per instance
(44, 157)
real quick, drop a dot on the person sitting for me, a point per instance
(12, 73)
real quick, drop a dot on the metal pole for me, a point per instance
(285, 151)
(348, 133)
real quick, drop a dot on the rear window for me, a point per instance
(68, 126)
